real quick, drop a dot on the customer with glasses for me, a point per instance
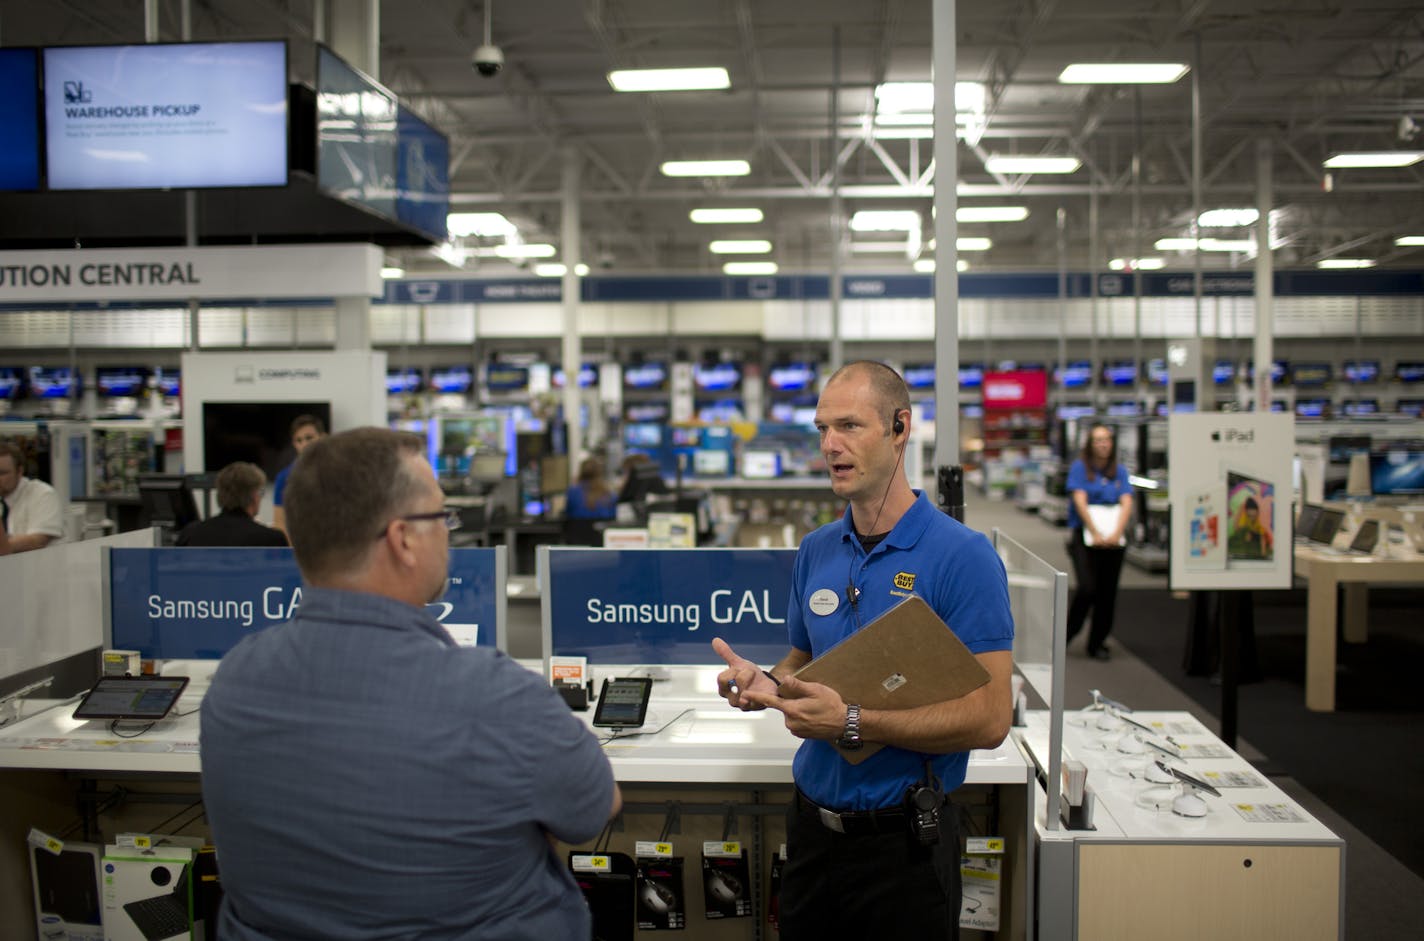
(364, 776)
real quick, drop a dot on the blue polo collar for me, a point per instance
(907, 531)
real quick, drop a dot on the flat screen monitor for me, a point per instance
(1123, 409)
(1280, 369)
(52, 382)
(1071, 410)
(1397, 473)
(19, 121)
(644, 479)
(1279, 405)
(686, 437)
(1121, 372)
(1157, 371)
(12, 382)
(488, 466)
(422, 175)
(646, 412)
(506, 377)
(645, 377)
(717, 377)
(1311, 374)
(166, 115)
(792, 377)
(1343, 447)
(709, 463)
(1031, 366)
(1409, 371)
(761, 465)
(357, 139)
(403, 379)
(166, 501)
(720, 410)
(971, 411)
(1223, 372)
(1312, 408)
(1076, 374)
(259, 432)
(920, 375)
(588, 376)
(1355, 408)
(451, 380)
(781, 411)
(643, 435)
(971, 375)
(1360, 371)
(120, 381)
(170, 381)
(1411, 407)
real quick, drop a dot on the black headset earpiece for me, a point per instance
(899, 426)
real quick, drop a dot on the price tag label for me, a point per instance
(44, 841)
(591, 864)
(722, 848)
(651, 850)
(984, 846)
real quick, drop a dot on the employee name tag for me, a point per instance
(824, 602)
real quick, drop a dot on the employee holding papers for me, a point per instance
(873, 846)
(1099, 509)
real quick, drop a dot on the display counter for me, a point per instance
(1255, 864)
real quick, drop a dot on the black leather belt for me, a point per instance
(854, 822)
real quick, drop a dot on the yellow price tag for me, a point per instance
(598, 862)
(995, 845)
(732, 847)
(664, 849)
(143, 842)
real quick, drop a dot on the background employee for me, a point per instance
(1096, 479)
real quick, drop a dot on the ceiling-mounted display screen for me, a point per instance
(166, 116)
(19, 121)
(357, 146)
(422, 175)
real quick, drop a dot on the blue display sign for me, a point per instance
(422, 175)
(664, 606)
(19, 120)
(199, 603)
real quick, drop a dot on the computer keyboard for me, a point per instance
(160, 917)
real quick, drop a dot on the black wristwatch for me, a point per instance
(850, 738)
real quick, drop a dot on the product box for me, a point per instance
(66, 886)
(147, 889)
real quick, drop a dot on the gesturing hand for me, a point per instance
(741, 677)
(811, 710)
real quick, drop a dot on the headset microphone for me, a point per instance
(852, 595)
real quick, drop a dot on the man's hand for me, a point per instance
(811, 710)
(741, 677)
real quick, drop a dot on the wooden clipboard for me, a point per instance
(905, 658)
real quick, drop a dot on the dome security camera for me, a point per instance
(487, 60)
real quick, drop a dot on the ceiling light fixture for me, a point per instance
(530, 250)
(1223, 218)
(885, 220)
(1137, 264)
(705, 168)
(557, 269)
(1346, 263)
(481, 224)
(1009, 163)
(973, 243)
(649, 80)
(391, 272)
(1381, 159)
(991, 213)
(718, 215)
(879, 248)
(739, 247)
(1122, 73)
(749, 267)
(924, 265)
(1409, 241)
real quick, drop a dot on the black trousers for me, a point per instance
(871, 886)
(1096, 571)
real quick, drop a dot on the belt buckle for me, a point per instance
(830, 820)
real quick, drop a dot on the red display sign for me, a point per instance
(1015, 389)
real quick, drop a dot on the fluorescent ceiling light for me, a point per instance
(991, 213)
(880, 132)
(1387, 158)
(879, 248)
(1406, 241)
(1345, 263)
(1221, 218)
(557, 269)
(1228, 245)
(749, 267)
(885, 220)
(1006, 163)
(973, 243)
(1175, 245)
(706, 168)
(740, 247)
(390, 272)
(483, 224)
(531, 250)
(712, 216)
(1137, 264)
(895, 119)
(699, 79)
(891, 97)
(924, 265)
(453, 255)
(1122, 73)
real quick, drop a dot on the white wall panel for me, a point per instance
(449, 323)
(220, 327)
(624, 320)
(519, 320)
(718, 318)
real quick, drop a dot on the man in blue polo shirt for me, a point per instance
(855, 867)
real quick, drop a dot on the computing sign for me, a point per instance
(664, 606)
(197, 604)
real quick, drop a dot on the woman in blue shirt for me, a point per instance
(1099, 509)
(590, 498)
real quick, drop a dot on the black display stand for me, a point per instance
(1221, 634)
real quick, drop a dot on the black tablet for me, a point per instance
(623, 703)
(131, 697)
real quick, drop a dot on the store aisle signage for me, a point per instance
(664, 606)
(248, 272)
(199, 603)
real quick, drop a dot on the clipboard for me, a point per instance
(905, 658)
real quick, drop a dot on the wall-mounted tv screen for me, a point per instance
(1312, 408)
(259, 432)
(170, 381)
(791, 377)
(646, 412)
(1279, 405)
(19, 120)
(971, 411)
(1311, 374)
(1223, 372)
(971, 375)
(120, 381)
(717, 377)
(166, 115)
(920, 375)
(1411, 407)
(1076, 374)
(1397, 472)
(1280, 368)
(1354, 408)
(1123, 409)
(451, 380)
(1361, 370)
(52, 382)
(403, 379)
(506, 377)
(588, 376)
(357, 141)
(1121, 372)
(12, 382)
(643, 435)
(1409, 371)
(1071, 410)
(721, 410)
(422, 175)
(1157, 371)
(645, 377)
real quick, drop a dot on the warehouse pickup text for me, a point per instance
(132, 111)
(109, 273)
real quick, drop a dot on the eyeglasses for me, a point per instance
(449, 515)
